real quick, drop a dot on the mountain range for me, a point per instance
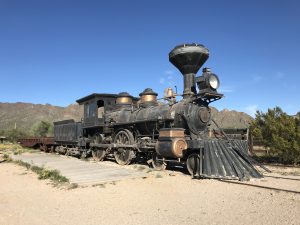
(26, 115)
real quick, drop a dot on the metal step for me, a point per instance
(226, 159)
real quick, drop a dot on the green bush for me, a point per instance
(42, 129)
(280, 133)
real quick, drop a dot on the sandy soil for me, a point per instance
(162, 199)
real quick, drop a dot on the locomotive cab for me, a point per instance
(95, 108)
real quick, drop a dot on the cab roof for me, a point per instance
(100, 96)
(95, 95)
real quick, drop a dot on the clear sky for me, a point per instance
(57, 51)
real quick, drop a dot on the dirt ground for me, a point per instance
(163, 198)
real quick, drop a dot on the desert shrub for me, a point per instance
(280, 133)
(42, 129)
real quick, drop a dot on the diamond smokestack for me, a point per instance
(188, 59)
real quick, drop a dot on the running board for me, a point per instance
(225, 159)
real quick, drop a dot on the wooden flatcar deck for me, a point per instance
(78, 171)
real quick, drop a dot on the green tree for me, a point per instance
(50, 130)
(42, 129)
(280, 133)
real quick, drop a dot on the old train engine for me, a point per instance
(124, 127)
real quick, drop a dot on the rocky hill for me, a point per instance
(230, 118)
(25, 115)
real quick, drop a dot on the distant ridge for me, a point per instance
(25, 115)
(231, 119)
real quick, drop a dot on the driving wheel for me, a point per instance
(98, 153)
(124, 156)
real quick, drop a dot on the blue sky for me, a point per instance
(58, 51)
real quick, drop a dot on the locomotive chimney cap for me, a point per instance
(148, 91)
(188, 58)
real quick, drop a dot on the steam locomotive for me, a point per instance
(126, 127)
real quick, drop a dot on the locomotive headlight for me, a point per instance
(213, 81)
(208, 82)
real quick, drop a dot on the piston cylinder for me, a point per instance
(171, 143)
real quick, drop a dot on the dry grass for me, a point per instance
(6, 158)
(44, 173)
(16, 149)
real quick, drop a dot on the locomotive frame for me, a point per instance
(125, 127)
